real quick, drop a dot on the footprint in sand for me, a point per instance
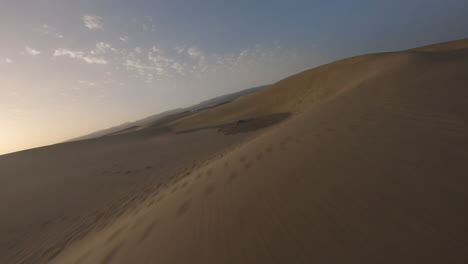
(111, 254)
(259, 156)
(148, 230)
(210, 189)
(114, 235)
(184, 184)
(233, 175)
(83, 257)
(183, 208)
(160, 198)
(54, 251)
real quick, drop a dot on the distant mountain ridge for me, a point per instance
(223, 99)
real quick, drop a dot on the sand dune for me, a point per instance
(370, 168)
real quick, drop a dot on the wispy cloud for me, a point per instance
(155, 49)
(31, 51)
(48, 30)
(179, 49)
(8, 60)
(92, 22)
(138, 50)
(74, 54)
(178, 67)
(148, 28)
(94, 56)
(148, 24)
(154, 66)
(124, 39)
(94, 60)
(86, 83)
(102, 48)
(194, 52)
(190, 62)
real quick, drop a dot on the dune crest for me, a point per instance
(370, 168)
(312, 87)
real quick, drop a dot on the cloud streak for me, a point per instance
(156, 63)
(31, 51)
(194, 52)
(80, 55)
(48, 30)
(92, 22)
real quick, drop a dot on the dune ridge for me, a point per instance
(370, 168)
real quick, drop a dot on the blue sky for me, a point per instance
(71, 67)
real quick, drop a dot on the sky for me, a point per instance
(68, 68)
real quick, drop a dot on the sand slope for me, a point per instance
(298, 92)
(54, 195)
(371, 168)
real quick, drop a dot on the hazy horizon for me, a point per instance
(69, 68)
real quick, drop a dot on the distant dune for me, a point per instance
(136, 125)
(362, 160)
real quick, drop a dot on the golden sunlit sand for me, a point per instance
(363, 160)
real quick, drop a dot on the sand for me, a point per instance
(54, 195)
(369, 168)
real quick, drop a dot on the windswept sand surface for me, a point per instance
(371, 168)
(54, 195)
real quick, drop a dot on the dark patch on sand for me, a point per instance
(183, 208)
(249, 125)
